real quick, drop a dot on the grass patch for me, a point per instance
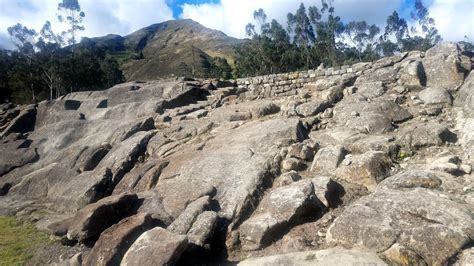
(402, 155)
(124, 56)
(18, 240)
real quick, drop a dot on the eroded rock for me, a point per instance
(328, 159)
(333, 256)
(96, 217)
(281, 208)
(155, 247)
(117, 239)
(415, 218)
(366, 169)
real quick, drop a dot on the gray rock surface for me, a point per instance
(333, 256)
(408, 215)
(282, 207)
(412, 75)
(328, 159)
(435, 96)
(155, 247)
(442, 67)
(185, 220)
(375, 156)
(311, 108)
(465, 97)
(466, 258)
(117, 239)
(366, 169)
(96, 217)
(425, 135)
(203, 228)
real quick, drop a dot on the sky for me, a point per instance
(454, 18)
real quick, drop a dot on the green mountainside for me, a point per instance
(177, 47)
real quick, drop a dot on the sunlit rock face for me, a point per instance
(369, 163)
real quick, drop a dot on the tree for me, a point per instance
(24, 39)
(299, 24)
(265, 52)
(328, 31)
(427, 33)
(72, 16)
(42, 66)
(220, 68)
(362, 36)
(112, 74)
(6, 65)
(50, 59)
(396, 29)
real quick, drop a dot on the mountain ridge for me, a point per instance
(162, 49)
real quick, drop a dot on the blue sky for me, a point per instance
(178, 10)
(454, 18)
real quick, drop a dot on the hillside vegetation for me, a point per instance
(172, 48)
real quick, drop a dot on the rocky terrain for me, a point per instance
(369, 164)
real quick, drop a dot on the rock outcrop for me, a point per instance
(363, 164)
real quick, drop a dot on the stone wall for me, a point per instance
(287, 84)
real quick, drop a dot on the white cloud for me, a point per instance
(454, 18)
(5, 42)
(102, 16)
(231, 16)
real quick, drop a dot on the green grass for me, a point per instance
(402, 155)
(123, 56)
(17, 240)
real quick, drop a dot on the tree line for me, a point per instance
(317, 35)
(46, 64)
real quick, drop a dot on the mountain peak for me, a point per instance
(159, 50)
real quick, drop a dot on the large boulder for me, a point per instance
(425, 135)
(155, 247)
(371, 90)
(185, 220)
(421, 221)
(412, 74)
(366, 169)
(96, 217)
(328, 82)
(336, 136)
(203, 228)
(465, 96)
(311, 108)
(435, 96)
(465, 119)
(328, 159)
(265, 109)
(371, 117)
(383, 143)
(117, 239)
(386, 75)
(18, 156)
(281, 208)
(466, 258)
(24, 122)
(301, 151)
(442, 66)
